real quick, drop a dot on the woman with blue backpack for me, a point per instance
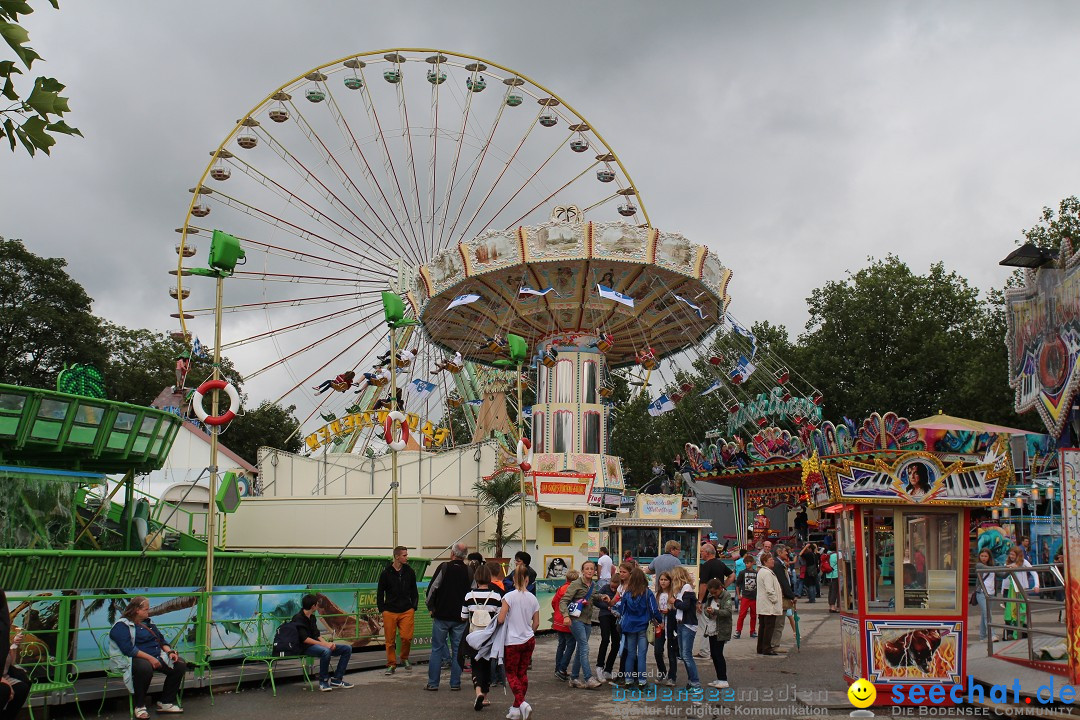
(636, 608)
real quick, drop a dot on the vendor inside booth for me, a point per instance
(656, 520)
(902, 547)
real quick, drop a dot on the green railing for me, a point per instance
(54, 570)
(73, 628)
(49, 429)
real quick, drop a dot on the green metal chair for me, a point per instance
(200, 667)
(112, 672)
(48, 675)
(265, 655)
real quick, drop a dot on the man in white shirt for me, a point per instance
(606, 564)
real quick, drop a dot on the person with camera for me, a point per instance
(577, 606)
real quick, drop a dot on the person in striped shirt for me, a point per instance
(480, 608)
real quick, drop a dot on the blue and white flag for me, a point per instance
(661, 405)
(475, 403)
(608, 293)
(463, 300)
(712, 388)
(527, 413)
(197, 348)
(739, 329)
(692, 306)
(742, 370)
(526, 290)
(421, 388)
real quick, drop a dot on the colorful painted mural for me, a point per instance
(907, 651)
(1070, 491)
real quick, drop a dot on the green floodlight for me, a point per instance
(518, 350)
(394, 310)
(228, 495)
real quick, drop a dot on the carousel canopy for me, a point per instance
(569, 280)
(942, 421)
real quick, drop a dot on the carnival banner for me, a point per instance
(1043, 340)
(776, 406)
(773, 496)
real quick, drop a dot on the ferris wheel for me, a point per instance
(344, 180)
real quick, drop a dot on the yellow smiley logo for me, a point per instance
(862, 693)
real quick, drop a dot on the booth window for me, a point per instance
(588, 383)
(914, 563)
(591, 433)
(561, 536)
(538, 432)
(687, 540)
(564, 381)
(849, 589)
(562, 422)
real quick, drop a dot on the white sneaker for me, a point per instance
(514, 714)
(592, 684)
(716, 684)
(575, 683)
(169, 708)
(701, 654)
(526, 710)
(599, 674)
(723, 684)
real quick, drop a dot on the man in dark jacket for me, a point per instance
(397, 598)
(783, 562)
(451, 582)
(307, 627)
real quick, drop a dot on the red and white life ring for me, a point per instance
(200, 412)
(524, 444)
(399, 439)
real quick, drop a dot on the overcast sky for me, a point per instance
(794, 139)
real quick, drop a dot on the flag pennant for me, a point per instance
(692, 306)
(712, 388)
(661, 405)
(609, 294)
(527, 412)
(739, 329)
(462, 300)
(422, 388)
(742, 370)
(475, 403)
(197, 348)
(526, 290)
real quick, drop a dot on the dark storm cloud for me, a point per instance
(795, 139)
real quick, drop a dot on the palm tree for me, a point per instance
(501, 492)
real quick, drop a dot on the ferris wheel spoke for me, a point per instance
(301, 256)
(454, 167)
(535, 207)
(301, 279)
(276, 332)
(323, 367)
(434, 162)
(290, 302)
(483, 152)
(365, 167)
(491, 190)
(389, 168)
(598, 203)
(320, 187)
(360, 244)
(516, 192)
(301, 232)
(403, 105)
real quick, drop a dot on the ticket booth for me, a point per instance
(902, 545)
(656, 519)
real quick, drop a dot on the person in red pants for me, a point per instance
(747, 584)
(521, 613)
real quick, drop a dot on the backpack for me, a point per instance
(432, 592)
(826, 566)
(287, 640)
(479, 619)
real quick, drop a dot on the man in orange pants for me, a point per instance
(397, 598)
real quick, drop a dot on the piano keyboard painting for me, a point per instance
(920, 477)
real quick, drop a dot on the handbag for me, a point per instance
(575, 608)
(974, 600)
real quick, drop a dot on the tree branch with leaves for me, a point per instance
(31, 119)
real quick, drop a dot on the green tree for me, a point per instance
(888, 339)
(141, 363)
(33, 117)
(1053, 226)
(269, 424)
(499, 494)
(46, 321)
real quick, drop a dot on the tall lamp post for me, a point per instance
(394, 311)
(225, 253)
(519, 353)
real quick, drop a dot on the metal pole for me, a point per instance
(393, 453)
(521, 430)
(215, 398)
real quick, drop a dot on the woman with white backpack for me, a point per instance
(480, 609)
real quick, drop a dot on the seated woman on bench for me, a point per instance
(140, 640)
